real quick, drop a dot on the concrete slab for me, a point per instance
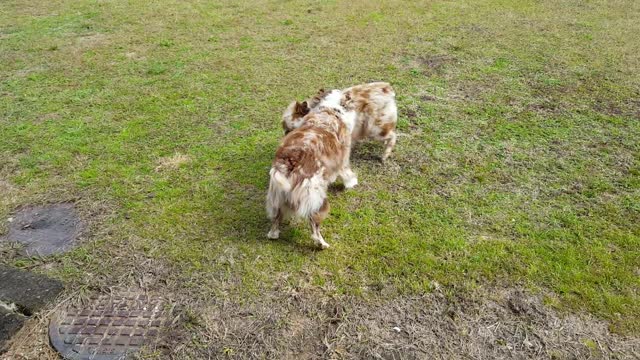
(28, 291)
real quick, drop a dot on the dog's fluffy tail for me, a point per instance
(279, 181)
(304, 199)
(279, 187)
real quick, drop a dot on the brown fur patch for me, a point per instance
(387, 128)
(301, 109)
(360, 99)
(294, 158)
(303, 147)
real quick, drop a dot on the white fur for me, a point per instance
(273, 234)
(279, 187)
(349, 119)
(332, 100)
(391, 110)
(309, 196)
(349, 178)
(281, 180)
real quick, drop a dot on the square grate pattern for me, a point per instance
(108, 327)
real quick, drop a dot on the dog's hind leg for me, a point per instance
(274, 233)
(390, 143)
(349, 178)
(316, 219)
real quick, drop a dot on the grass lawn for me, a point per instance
(518, 163)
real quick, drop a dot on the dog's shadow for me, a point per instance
(243, 208)
(336, 188)
(367, 151)
(292, 237)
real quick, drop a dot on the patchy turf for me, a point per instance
(518, 161)
(502, 325)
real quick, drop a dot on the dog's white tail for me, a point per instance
(279, 187)
(279, 181)
(305, 198)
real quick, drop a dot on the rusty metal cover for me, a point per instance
(108, 327)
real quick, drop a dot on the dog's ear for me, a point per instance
(301, 109)
(345, 102)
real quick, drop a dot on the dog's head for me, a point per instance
(292, 117)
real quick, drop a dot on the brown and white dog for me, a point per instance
(309, 158)
(374, 107)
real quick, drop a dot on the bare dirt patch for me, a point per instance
(88, 41)
(28, 71)
(44, 230)
(302, 322)
(426, 65)
(9, 193)
(410, 113)
(503, 324)
(428, 98)
(141, 275)
(436, 61)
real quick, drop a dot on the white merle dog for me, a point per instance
(374, 105)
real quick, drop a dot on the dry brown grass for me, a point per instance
(502, 323)
(172, 162)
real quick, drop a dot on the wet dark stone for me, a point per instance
(44, 230)
(10, 323)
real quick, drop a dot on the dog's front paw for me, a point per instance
(351, 183)
(320, 242)
(273, 234)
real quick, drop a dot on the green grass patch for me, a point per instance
(518, 161)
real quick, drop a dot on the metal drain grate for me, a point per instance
(108, 327)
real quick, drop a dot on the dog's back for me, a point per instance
(375, 107)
